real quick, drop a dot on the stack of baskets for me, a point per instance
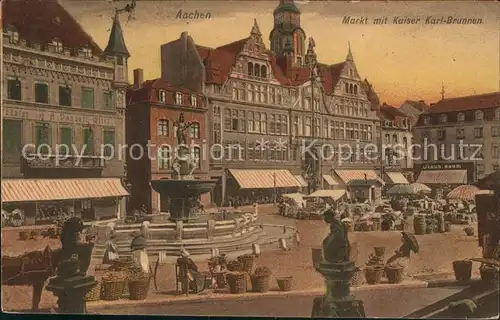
(260, 279)
(96, 292)
(419, 224)
(237, 282)
(358, 278)
(113, 283)
(285, 283)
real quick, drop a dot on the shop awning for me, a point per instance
(353, 176)
(395, 178)
(32, 190)
(264, 179)
(301, 181)
(443, 177)
(334, 194)
(332, 181)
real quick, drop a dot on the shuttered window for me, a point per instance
(66, 137)
(109, 142)
(107, 101)
(88, 141)
(87, 98)
(11, 140)
(41, 93)
(42, 135)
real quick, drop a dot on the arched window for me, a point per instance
(479, 115)
(197, 156)
(194, 130)
(250, 69)
(162, 96)
(395, 138)
(347, 87)
(256, 70)
(263, 72)
(178, 98)
(443, 118)
(351, 88)
(58, 45)
(497, 113)
(355, 89)
(87, 52)
(461, 117)
(387, 139)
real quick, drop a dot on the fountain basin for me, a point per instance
(182, 188)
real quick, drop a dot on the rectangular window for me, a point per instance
(441, 135)
(41, 93)
(164, 158)
(197, 156)
(193, 100)
(11, 140)
(163, 128)
(109, 142)
(14, 89)
(66, 140)
(64, 96)
(227, 119)
(88, 141)
(460, 133)
(194, 130)
(478, 132)
(42, 136)
(87, 98)
(107, 101)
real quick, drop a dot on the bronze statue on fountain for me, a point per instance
(182, 188)
(337, 269)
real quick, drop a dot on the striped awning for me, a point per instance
(395, 178)
(348, 176)
(264, 179)
(332, 181)
(443, 177)
(33, 190)
(301, 181)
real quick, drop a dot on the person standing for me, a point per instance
(111, 252)
(139, 252)
(195, 279)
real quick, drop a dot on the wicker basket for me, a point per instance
(260, 283)
(285, 283)
(247, 262)
(394, 275)
(112, 289)
(373, 275)
(139, 289)
(24, 235)
(237, 282)
(358, 278)
(462, 270)
(95, 293)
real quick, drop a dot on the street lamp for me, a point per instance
(275, 191)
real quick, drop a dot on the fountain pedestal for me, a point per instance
(337, 301)
(71, 286)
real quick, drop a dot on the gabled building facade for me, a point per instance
(280, 107)
(62, 94)
(153, 108)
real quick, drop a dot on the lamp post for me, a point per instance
(275, 191)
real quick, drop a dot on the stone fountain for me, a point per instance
(230, 232)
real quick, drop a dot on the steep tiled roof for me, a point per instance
(371, 94)
(148, 91)
(44, 20)
(390, 113)
(329, 74)
(475, 102)
(419, 105)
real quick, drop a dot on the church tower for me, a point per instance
(287, 29)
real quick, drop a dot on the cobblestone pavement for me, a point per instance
(392, 303)
(437, 252)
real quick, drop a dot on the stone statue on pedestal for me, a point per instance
(182, 127)
(337, 269)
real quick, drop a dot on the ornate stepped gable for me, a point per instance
(42, 21)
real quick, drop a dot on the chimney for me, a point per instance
(138, 78)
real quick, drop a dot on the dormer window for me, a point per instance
(193, 100)
(162, 96)
(443, 118)
(461, 117)
(178, 98)
(387, 123)
(58, 45)
(497, 113)
(427, 120)
(479, 115)
(87, 52)
(12, 32)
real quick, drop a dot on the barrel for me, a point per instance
(419, 224)
(317, 256)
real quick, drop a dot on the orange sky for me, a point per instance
(402, 61)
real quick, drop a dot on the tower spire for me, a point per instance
(116, 42)
(349, 53)
(311, 53)
(442, 91)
